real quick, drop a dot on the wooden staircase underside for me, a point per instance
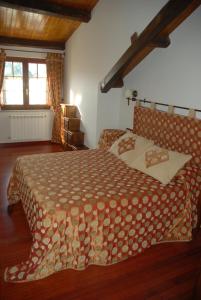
(155, 35)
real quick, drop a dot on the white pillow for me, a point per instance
(129, 146)
(160, 163)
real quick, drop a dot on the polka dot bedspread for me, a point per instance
(88, 207)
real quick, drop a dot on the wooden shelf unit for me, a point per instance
(71, 136)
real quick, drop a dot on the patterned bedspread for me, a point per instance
(88, 207)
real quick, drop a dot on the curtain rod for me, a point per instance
(32, 51)
(163, 104)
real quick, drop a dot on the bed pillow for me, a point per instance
(160, 163)
(129, 146)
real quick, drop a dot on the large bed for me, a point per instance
(89, 207)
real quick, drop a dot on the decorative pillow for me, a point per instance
(156, 156)
(129, 146)
(108, 137)
(126, 144)
(161, 164)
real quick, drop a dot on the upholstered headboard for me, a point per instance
(174, 132)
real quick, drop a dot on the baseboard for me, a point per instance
(8, 145)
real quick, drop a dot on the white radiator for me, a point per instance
(28, 126)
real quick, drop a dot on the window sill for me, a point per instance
(23, 107)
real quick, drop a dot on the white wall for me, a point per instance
(92, 51)
(171, 75)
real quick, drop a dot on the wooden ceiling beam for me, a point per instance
(156, 34)
(160, 42)
(11, 41)
(49, 8)
(134, 37)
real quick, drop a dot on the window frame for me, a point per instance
(25, 78)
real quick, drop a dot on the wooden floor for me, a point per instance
(166, 271)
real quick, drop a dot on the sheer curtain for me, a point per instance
(55, 84)
(2, 67)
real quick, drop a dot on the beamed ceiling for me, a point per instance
(42, 23)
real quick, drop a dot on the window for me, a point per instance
(25, 84)
(13, 83)
(37, 83)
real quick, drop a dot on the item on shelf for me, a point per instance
(72, 124)
(68, 110)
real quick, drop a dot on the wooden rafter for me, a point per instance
(155, 35)
(4, 40)
(49, 8)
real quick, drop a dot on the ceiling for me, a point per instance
(42, 23)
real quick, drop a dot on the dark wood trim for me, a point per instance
(28, 59)
(24, 107)
(49, 8)
(12, 41)
(154, 35)
(11, 145)
(25, 84)
(119, 83)
(134, 37)
(160, 42)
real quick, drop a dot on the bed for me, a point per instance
(89, 207)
